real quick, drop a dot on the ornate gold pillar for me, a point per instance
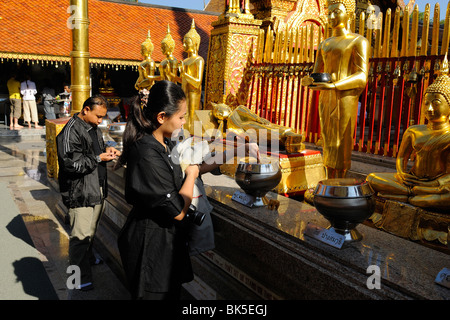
(80, 75)
(270, 10)
(232, 43)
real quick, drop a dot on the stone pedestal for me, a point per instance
(52, 129)
(267, 253)
(299, 171)
(410, 222)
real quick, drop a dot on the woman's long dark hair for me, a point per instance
(164, 96)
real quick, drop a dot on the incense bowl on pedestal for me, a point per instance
(256, 179)
(345, 203)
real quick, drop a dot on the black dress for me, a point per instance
(153, 246)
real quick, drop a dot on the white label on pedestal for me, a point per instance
(243, 198)
(443, 278)
(327, 236)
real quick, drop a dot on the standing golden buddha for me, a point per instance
(147, 67)
(345, 57)
(191, 72)
(168, 68)
(427, 183)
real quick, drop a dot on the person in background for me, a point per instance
(67, 97)
(16, 103)
(67, 90)
(48, 96)
(28, 91)
(82, 158)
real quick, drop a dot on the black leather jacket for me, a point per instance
(78, 176)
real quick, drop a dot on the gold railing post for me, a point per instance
(80, 75)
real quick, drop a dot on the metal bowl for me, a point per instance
(256, 179)
(345, 203)
(104, 127)
(104, 124)
(115, 131)
(321, 77)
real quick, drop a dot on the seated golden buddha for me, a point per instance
(243, 122)
(105, 86)
(427, 183)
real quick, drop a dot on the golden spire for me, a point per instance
(444, 68)
(193, 35)
(147, 44)
(168, 40)
(442, 83)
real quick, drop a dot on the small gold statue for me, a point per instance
(344, 56)
(147, 67)
(191, 72)
(168, 68)
(105, 84)
(243, 122)
(427, 184)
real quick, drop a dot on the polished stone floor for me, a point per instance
(33, 241)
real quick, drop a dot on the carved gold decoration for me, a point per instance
(299, 171)
(308, 10)
(410, 222)
(216, 69)
(233, 42)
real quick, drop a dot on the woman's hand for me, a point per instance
(192, 171)
(252, 150)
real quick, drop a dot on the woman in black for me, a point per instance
(152, 243)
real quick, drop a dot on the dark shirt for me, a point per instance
(97, 150)
(154, 179)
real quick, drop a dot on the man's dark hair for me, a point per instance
(95, 100)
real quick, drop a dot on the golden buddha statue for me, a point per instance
(191, 73)
(344, 56)
(243, 122)
(168, 68)
(427, 183)
(105, 86)
(147, 67)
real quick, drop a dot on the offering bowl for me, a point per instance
(256, 179)
(104, 126)
(345, 203)
(115, 131)
(321, 77)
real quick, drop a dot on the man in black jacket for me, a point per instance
(82, 158)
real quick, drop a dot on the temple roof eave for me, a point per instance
(33, 57)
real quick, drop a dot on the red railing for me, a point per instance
(389, 104)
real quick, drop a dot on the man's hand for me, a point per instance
(107, 156)
(114, 151)
(110, 154)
